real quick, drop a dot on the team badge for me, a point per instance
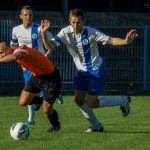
(85, 41)
(34, 36)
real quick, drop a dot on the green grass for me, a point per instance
(131, 133)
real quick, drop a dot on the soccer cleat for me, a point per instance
(28, 123)
(54, 128)
(90, 129)
(60, 99)
(126, 108)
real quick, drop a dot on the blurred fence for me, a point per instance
(128, 67)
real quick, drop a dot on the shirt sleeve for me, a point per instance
(14, 39)
(101, 37)
(58, 38)
(50, 36)
(21, 52)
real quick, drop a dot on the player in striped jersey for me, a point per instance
(28, 33)
(44, 77)
(82, 43)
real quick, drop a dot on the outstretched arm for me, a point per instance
(49, 44)
(8, 58)
(131, 35)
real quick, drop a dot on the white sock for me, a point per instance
(90, 116)
(112, 101)
(31, 112)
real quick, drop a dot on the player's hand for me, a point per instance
(2, 55)
(45, 25)
(47, 54)
(131, 35)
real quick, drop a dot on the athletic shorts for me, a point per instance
(49, 84)
(93, 84)
(26, 74)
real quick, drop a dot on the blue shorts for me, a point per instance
(93, 84)
(26, 74)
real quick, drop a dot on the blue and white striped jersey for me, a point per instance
(30, 37)
(83, 47)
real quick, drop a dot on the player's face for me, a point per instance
(26, 16)
(4, 50)
(77, 24)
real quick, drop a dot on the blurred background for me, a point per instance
(128, 67)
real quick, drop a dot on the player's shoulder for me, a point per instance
(18, 27)
(35, 24)
(66, 29)
(90, 29)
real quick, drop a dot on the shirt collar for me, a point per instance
(71, 29)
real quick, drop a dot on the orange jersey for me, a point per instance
(34, 61)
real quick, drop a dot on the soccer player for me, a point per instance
(82, 43)
(28, 33)
(44, 77)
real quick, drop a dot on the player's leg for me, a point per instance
(94, 102)
(26, 98)
(36, 107)
(60, 99)
(50, 95)
(80, 100)
(81, 86)
(96, 87)
(31, 112)
(31, 115)
(52, 116)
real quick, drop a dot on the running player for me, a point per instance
(44, 77)
(28, 33)
(82, 43)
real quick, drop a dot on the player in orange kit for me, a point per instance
(44, 77)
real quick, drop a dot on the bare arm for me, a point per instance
(131, 35)
(8, 58)
(49, 44)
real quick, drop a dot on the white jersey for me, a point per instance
(30, 37)
(83, 47)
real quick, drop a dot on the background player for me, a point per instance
(28, 33)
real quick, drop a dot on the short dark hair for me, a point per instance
(77, 12)
(26, 7)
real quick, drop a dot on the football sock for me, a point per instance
(112, 101)
(90, 116)
(53, 118)
(31, 112)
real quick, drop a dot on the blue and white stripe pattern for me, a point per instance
(34, 36)
(83, 47)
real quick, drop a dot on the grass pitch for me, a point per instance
(130, 133)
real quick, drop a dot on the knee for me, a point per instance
(22, 103)
(47, 108)
(92, 103)
(79, 102)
